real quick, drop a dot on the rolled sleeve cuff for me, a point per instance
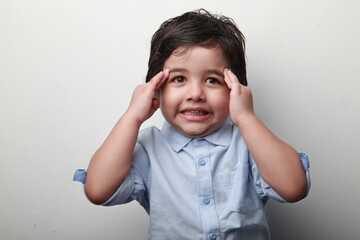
(306, 165)
(80, 175)
(122, 195)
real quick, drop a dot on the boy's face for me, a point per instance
(195, 98)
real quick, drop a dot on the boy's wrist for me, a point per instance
(244, 121)
(130, 119)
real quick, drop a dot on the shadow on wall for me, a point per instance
(284, 224)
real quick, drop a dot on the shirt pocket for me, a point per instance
(241, 196)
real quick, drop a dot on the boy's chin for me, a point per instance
(198, 133)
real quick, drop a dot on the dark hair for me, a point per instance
(198, 28)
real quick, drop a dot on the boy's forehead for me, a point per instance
(183, 53)
(187, 49)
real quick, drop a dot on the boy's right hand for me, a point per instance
(144, 101)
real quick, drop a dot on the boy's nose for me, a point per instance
(196, 92)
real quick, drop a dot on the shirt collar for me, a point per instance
(178, 141)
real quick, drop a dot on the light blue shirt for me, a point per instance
(197, 188)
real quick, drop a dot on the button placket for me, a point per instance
(208, 214)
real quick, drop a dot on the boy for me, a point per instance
(209, 171)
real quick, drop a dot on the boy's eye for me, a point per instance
(212, 80)
(178, 79)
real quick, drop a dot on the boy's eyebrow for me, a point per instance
(210, 71)
(216, 72)
(180, 70)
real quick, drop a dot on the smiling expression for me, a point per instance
(195, 98)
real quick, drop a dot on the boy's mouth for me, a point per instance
(194, 112)
(198, 114)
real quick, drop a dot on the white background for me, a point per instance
(67, 71)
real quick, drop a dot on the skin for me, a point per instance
(196, 96)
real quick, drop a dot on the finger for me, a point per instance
(234, 79)
(156, 79)
(163, 79)
(227, 78)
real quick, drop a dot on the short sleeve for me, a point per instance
(265, 191)
(134, 186)
(306, 165)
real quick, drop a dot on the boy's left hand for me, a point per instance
(241, 103)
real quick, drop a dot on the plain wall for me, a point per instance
(67, 72)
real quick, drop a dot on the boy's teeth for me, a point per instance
(194, 112)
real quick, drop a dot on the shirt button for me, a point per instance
(212, 236)
(201, 162)
(206, 200)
